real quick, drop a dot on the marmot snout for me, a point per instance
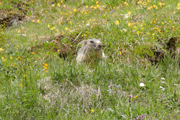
(91, 51)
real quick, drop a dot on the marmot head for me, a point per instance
(93, 44)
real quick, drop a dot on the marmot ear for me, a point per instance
(85, 42)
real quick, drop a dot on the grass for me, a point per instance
(39, 85)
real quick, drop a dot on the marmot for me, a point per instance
(91, 51)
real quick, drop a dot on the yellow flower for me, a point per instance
(70, 22)
(120, 53)
(97, 2)
(21, 85)
(58, 4)
(48, 26)
(19, 31)
(32, 53)
(92, 110)
(92, 7)
(129, 12)
(75, 10)
(136, 96)
(45, 65)
(138, 32)
(126, 4)
(1, 50)
(161, 4)
(19, 58)
(66, 28)
(150, 7)
(53, 28)
(130, 24)
(11, 57)
(178, 6)
(155, 6)
(3, 59)
(38, 21)
(117, 22)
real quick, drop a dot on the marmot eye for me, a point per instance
(91, 41)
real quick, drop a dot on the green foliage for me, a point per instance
(36, 84)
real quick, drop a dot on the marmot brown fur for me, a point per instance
(91, 51)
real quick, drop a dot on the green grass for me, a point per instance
(39, 85)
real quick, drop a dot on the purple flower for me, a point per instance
(140, 117)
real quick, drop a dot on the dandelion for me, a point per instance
(155, 6)
(120, 53)
(92, 110)
(138, 32)
(178, 6)
(66, 28)
(117, 22)
(136, 96)
(19, 58)
(97, 2)
(38, 21)
(1, 49)
(142, 85)
(161, 4)
(48, 26)
(86, 6)
(129, 12)
(150, 8)
(75, 10)
(130, 24)
(53, 28)
(19, 31)
(126, 4)
(70, 22)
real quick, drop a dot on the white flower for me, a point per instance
(162, 82)
(127, 16)
(161, 88)
(162, 78)
(142, 85)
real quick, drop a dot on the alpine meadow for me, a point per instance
(40, 78)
